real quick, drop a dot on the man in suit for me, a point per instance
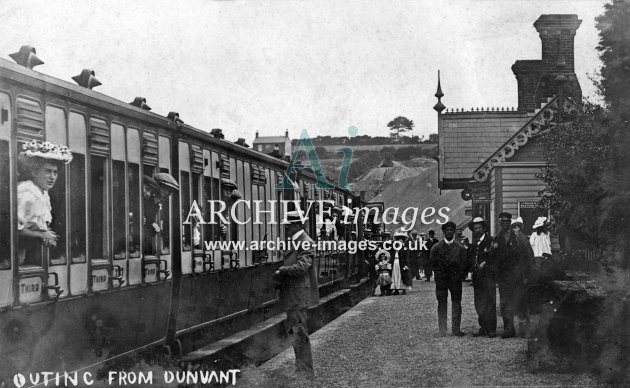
(415, 249)
(428, 271)
(513, 254)
(450, 265)
(297, 278)
(484, 279)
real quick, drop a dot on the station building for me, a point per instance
(493, 155)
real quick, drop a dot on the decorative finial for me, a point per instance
(439, 107)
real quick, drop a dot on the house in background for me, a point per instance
(269, 144)
(494, 154)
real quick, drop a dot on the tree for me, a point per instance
(399, 125)
(587, 177)
(433, 139)
(576, 174)
(614, 86)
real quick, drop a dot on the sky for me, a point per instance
(321, 65)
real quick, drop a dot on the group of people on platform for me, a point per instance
(511, 260)
(397, 268)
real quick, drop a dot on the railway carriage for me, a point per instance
(109, 287)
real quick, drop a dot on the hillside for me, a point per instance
(418, 191)
(366, 161)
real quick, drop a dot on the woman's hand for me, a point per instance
(49, 238)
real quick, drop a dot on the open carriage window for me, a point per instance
(41, 204)
(164, 145)
(5, 210)
(78, 139)
(151, 213)
(133, 182)
(186, 229)
(119, 179)
(56, 133)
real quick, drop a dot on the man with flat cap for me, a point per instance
(449, 261)
(297, 278)
(512, 254)
(484, 279)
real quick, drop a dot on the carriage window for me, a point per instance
(165, 220)
(98, 208)
(78, 219)
(5, 211)
(164, 147)
(211, 192)
(118, 208)
(196, 228)
(56, 133)
(77, 208)
(133, 182)
(152, 215)
(57, 255)
(133, 176)
(185, 188)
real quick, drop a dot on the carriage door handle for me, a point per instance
(119, 272)
(56, 287)
(165, 271)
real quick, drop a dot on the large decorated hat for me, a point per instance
(540, 221)
(46, 150)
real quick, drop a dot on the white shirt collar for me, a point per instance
(297, 234)
(481, 238)
(449, 242)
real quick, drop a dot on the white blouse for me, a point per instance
(33, 206)
(541, 243)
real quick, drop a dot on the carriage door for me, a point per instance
(78, 204)
(135, 192)
(119, 207)
(6, 275)
(57, 256)
(185, 201)
(197, 195)
(164, 145)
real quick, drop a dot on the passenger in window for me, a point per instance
(167, 185)
(39, 165)
(151, 227)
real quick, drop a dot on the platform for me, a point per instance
(392, 341)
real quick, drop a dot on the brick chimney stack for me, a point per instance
(557, 33)
(535, 78)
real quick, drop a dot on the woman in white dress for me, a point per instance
(401, 273)
(41, 163)
(541, 243)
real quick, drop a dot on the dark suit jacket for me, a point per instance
(449, 262)
(482, 252)
(298, 277)
(513, 256)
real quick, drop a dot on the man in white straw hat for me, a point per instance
(298, 289)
